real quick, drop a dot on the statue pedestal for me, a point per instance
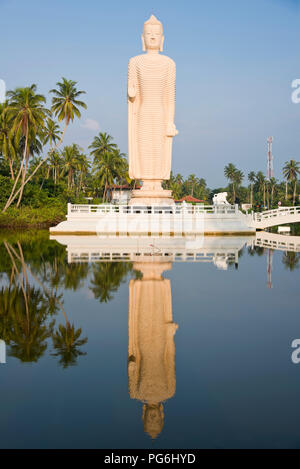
(151, 193)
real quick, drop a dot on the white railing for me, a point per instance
(153, 210)
(277, 241)
(279, 212)
(148, 256)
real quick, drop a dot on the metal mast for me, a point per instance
(270, 169)
(270, 267)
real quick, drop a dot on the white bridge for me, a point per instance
(279, 216)
(277, 242)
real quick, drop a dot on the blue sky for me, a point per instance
(236, 60)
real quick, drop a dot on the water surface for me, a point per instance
(148, 343)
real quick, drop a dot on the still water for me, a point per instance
(149, 343)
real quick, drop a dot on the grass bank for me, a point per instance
(29, 217)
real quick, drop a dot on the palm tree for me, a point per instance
(261, 183)
(101, 144)
(291, 170)
(273, 184)
(65, 106)
(27, 112)
(83, 165)
(70, 156)
(55, 165)
(179, 179)
(238, 178)
(121, 166)
(251, 179)
(230, 173)
(7, 144)
(51, 132)
(192, 181)
(105, 171)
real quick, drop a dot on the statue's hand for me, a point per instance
(171, 130)
(131, 92)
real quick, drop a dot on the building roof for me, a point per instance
(123, 187)
(189, 198)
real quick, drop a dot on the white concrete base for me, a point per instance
(167, 220)
(151, 194)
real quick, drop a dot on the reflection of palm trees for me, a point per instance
(66, 343)
(74, 274)
(107, 277)
(291, 260)
(7, 305)
(25, 313)
(25, 310)
(256, 250)
(28, 331)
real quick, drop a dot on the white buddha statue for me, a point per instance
(151, 109)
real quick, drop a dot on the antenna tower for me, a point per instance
(270, 168)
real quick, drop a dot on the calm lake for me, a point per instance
(149, 343)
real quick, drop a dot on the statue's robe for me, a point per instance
(153, 77)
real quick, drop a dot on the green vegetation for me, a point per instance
(38, 176)
(34, 276)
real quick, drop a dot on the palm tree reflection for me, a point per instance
(66, 342)
(25, 311)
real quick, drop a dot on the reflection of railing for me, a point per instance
(176, 209)
(278, 242)
(278, 216)
(147, 255)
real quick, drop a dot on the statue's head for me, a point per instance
(153, 418)
(153, 36)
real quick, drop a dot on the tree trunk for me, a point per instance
(11, 169)
(12, 198)
(272, 196)
(286, 190)
(23, 179)
(295, 190)
(12, 195)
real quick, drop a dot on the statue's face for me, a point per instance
(152, 36)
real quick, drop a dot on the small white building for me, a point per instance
(246, 207)
(120, 194)
(284, 229)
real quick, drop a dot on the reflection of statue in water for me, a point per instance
(151, 362)
(151, 109)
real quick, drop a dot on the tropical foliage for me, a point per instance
(37, 171)
(34, 276)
